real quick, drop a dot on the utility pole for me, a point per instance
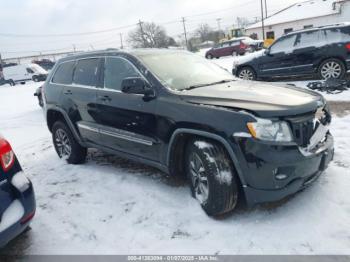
(183, 22)
(265, 8)
(262, 19)
(219, 24)
(142, 34)
(121, 41)
(74, 48)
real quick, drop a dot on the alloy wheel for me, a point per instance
(199, 178)
(331, 70)
(63, 144)
(246, 74)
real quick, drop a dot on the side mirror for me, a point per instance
(136, 85)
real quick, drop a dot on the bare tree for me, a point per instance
(149, 35)
(203, 31)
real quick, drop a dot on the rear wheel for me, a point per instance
(246, 73)
(66, 145)
(212, 176)
(234, 53)
(332, 68)
(35, 79)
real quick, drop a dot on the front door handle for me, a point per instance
(105, 98)
(68, 92)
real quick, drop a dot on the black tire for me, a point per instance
(338, 66)
(209, 56)
(220, 175)
(248, 72)
(11, 82)
(35, 79)
(77, 153)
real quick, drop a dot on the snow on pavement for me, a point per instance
(114, 206)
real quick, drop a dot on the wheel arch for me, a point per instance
(55, 114)
(179, 140)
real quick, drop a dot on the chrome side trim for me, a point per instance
(93, 129)
(273, 69)
(128, 138)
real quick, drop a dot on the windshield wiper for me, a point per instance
(209, 84)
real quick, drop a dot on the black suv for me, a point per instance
(187, 116)
(323, 52)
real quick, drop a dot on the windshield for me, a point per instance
(183, 70)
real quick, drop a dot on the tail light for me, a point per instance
(7, 157)
(347, 46)
(243, 45)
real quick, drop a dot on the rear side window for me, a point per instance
(116, 69)
(64, 73)
(85, 72)
(311, 39)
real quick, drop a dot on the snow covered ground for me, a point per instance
(113, 206)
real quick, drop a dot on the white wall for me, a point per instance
(344, 16)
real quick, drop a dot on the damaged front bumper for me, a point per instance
(274, 172)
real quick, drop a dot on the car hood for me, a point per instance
(239, 60)
(265, 100)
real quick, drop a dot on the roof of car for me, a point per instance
(345, 24)
(114, 51)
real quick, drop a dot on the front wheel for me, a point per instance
(66, 145)
(35, 79)
(212, 176)
(209, 56)
(332, 68)
(246, 73)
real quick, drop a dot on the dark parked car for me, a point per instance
(187, 116)
(234, 47)
(323, 52)
(17, 202)
(47, 64)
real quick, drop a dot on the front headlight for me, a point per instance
(268, 130)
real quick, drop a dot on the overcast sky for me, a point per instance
(28, 17)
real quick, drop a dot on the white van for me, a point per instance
(22, 73)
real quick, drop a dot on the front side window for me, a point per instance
(85, 72)
(29, 70)
(284, 45)
(117, 69)
(64, 73)
(182, 70)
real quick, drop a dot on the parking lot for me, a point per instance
(114, 206)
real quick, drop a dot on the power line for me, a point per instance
(70, 34)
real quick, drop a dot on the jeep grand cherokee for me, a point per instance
(186, 116)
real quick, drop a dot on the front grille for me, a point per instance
(303, 126)
(303, 129)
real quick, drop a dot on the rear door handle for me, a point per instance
(68, 92)
(105, 98)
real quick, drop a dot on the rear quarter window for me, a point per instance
(64, 73)
(337, 35)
